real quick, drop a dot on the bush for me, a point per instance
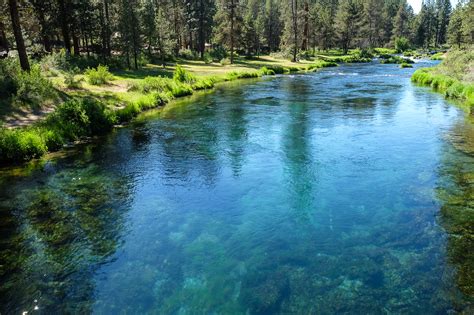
(266, 71)
(33, 88)
(207, 58)
(204, 83)
(402, 44)
(396, 60)
(56, 61)
(188, 54)
(437, 56)
(406, 65)
(278, 69)
(234, 75)
(21, 144)
(9, 69)
(98, 76)
(218, 53)
(70, 79)
(225, 61)
(183, 76)
(322, 64)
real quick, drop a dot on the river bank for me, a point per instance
(453, 77)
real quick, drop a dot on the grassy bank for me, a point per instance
(93, 101)
(453, 76)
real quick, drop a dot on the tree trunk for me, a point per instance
(232, 13)
(64, 25)
(20, 44)
(304, 46)
(3, 38)
(294, 8)
(202, 44)
(75, 42)
(44, 31)
(107, 28)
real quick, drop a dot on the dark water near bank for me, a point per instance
(312, 194)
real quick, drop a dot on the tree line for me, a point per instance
(164, 29)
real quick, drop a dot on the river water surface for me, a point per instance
(309, 194)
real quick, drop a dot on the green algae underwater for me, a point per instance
(349, 190)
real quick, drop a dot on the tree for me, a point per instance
(228, 25)
(402, 21)
(443, 12)
(468, 22)
(372, 26)
(322, 16)
(129, 31)
(347, 22)
(16, 26)
(273, 25)
(455, 27)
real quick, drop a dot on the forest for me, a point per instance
(129, 33)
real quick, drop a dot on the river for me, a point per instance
(322, 193)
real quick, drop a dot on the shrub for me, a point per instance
(322, 64)
(234, 75)
(402, 44)
(384, 51)
(33, 88)
(99, 75)
(225, 61)
(406, 65)
(207, 58)
(184, 76)
(187, 54)
(172, 87)
(437, 56)
(265, 71)
(21, 144)
(71, 118)
(396, 60)
(278, 69)
(204, 83)
(55, 61)
(70, 79)
(9, 69)
(218, 53)
(128, 112)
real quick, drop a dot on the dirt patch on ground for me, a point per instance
(26, 117)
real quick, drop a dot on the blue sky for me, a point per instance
(416, 4)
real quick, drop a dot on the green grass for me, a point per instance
(387, 59)
(449, 86)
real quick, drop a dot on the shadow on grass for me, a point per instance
(150, 70)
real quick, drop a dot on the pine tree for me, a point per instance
(346, 23)
(402, 21)
(16, 26)
(455, 28)
(273, 25)
(229, 25)
(372, 28)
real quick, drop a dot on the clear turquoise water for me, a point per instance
(305, 194)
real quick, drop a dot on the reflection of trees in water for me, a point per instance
(296, 146)
(189, 143)
(57, 234)
(236, 130)
(456, 193)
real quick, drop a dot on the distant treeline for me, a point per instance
(163, 29)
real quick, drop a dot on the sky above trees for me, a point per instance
(416, 4)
